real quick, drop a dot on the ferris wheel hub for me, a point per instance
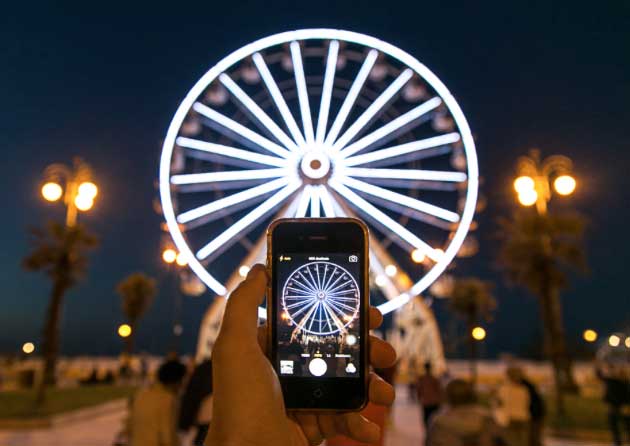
(315, 164)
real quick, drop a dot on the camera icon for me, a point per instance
(353, 259)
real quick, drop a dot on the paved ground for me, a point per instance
(404, 430)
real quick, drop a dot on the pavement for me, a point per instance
(404, 430)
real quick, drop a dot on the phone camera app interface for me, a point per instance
(318, 315)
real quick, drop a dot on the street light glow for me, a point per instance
(418, 256)
(169, 255)
(391, 270)
(627, 342)
(523, 184)
(28, 348)
(478, 333)
(83, 202)
(614, 341)
(528, 197)
(181, 259)
(51, 191)
(589, 335)
(124, 330)
(88, 189)
(565, 184)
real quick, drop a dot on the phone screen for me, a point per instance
(318, 320)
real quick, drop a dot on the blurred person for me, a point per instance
(462, 422)
(196, 403)
(248, 407)
(617, 397)
(153, 417)
(513, 412)
(430, 393)
(537, 411)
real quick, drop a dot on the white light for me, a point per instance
(329, 77)
(391, 127)
(241, 130)
(402, 149)
(257, 112)
(300, 82)
(326, 34)
(231, 152)
(83, 203)
(248, 219)
(326, 199)
(381, 218)
(614, 341)
(278, 99)
(88, 189)
(315, 202)
(351, 339)
(404, 200)
(28, 348)
(315, 157)
(528, 197)
(406, 174)
(351, 368)
(524, 183)
(231, 200)
(305, 199)
(351, 97)
(373, 109)
(317, 367)
(243, 270)
(391, 270)
(394, 303)
(627, 342)
(380, 280)
(234, 175)
(52, 191)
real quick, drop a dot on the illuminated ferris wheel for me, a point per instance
(314, 123)
(321, 298)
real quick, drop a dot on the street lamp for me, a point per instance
(28, 348)
(536, 177)
(478, 333)
(590, 335)
(124, 330)
(74, 184)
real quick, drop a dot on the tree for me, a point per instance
(137, 292)
(61, 253)
(537, 251)
(472, 300)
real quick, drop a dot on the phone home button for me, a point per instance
(318, 393)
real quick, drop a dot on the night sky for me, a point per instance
(103, 84)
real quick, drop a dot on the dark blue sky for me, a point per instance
(104, 83)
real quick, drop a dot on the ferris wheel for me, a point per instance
(320, 122)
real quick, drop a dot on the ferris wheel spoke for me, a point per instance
(315, 202)
(339, 305)
(240, 130)
(245, 222)
(228, 175)
(230, 152)
(374, 108)
(319, 280)
(305, 200)
(383, 219)
(278, 99)
(338, 323)
(407, 174)
(331, 290)
(304, 289)
(390, 127)
(351, 97)
(306, 285)
(310, 326)
(404, 200)
(300, 82)
(299, 304)
(402, 149)
(306, 317)
(231, 200)
(329, 77)
(324, 196)
(256, 112)
(313, 281)
(332, 276)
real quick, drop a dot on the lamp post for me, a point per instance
(537, 178)
(174, 259)
(73, 184)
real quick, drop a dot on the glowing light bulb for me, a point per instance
(523, 184)
(418, 256)
(528, 197)
(169, 255)
(124, 330)
(28, 348)
(51, 191)
(565, 184)
(391, 270)
(478, 333)
(614, 341)
(88, 189)
(589, 335)
(181, 259)
(83, 202)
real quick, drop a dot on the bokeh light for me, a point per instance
(124, 330)
(52, 191)
(169, 255)
(478, 333)
(564, 184)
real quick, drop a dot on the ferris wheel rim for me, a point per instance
(323, 34)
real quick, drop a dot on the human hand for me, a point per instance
(248, 403)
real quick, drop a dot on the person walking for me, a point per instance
(462, 421)
(430, 393)
(196, 405)
(617, 397)
(537, 411)
(514, 408)
(153, 415)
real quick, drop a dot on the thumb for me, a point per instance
(240, 320)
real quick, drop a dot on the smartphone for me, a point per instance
(317, 312)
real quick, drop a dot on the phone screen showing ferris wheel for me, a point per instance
(318, 320)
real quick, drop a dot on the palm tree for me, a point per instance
(137, 291)
(472, 300)
(60, 252)
(537, 251)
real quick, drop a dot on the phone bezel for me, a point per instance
(284, 235)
